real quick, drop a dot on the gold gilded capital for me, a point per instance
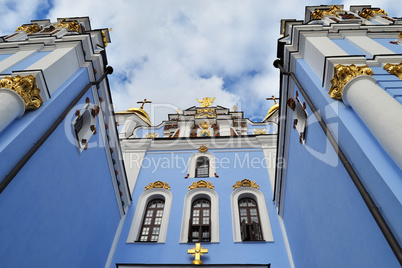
(395, 69)
(319, 14)
(342, 75)
(26, 87)
(71, 26)
(369, 13)
(29, 29)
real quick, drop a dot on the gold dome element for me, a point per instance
(271, 111)
(138, 111)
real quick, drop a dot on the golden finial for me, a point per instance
(143, 102)
(157, 184)
(273, 98)
(206, 102)
(235, 108)
(178, 111)
(197, 252)
(203, 148)
(201, 184)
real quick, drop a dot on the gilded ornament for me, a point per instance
(206, 102)
(319, 14)
(157, 184)
(29, 29)
(245, 183)
(71, 26)
(342, 75)
(205, 113)
(260, 131)
(201, 184)
(203, 148)
(104, 39)
(369, 13)
(400, 35)
(197, 252)
(151, 135)
(26, 87)
(395, 69)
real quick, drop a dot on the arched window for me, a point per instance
(250, 227)
(200, 221)
(159, 219)
(250, 216)
(202, 167)
(151, 224)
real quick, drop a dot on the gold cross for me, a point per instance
(273, 98)
(178, 111)
(143, 102)
(197, 251)
(235, 108)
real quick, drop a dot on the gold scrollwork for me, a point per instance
(151, 135)
(342, 75)
(205, 113)
(104, 38)
(319, 14)
(395, 69)
(157, 184)
(400, 35)
(206, 102)
(26, 87)
(71, 25)
(245, 183)
(29, 29)
(369, 13)
(260, 132)
(201, 184)
(203, 148)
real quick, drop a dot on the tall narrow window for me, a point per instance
(200, 221)
(202, 167)
(250, 227)
(152, 221)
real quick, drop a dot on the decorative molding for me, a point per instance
(245, 183)
(319, 14)
(157, 184)
(201, 184)
(369, 13)
(26, 87)
(207, 112)
(395, 69)
(29, 29)
(203, 148)
(71, 25)
(342, 75)
(206, 102)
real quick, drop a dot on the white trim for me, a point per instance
(193, 161)
(286, 242)
(115, 241)
(144, 199)
(258, 196)
(194, 194)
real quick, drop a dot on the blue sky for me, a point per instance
(172, 52)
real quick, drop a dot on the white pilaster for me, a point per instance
(379, 111)
(14, 59)
(12, 106)
(368, 45)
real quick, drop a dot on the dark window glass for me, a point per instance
(200, 221)
(151, 224)
(250, 227)
(202, 167)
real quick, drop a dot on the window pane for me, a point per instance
(149, 213)
(147, 221)
(154, 238)
(155, 231)
(253, 211)
(205, 220)
(159, 213)
(205, 203)
(196, 220)
(254, 219)
(243, 212)
(160, 204)
(205, 213)
(242, 203)
(145, 231)
(158, 221)
(196, 213)
(144, 238)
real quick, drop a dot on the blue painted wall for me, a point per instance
(28, 61)
(386, 43)
(327, 222)
(22, 134)
(231, 167)
(348, 47)
(60, 210)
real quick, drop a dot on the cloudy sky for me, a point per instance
(172, 52)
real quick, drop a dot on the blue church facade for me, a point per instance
(317, 183)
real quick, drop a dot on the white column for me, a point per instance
(12, 106)
(381, 113)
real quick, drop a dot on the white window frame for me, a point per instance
(144, 199)
(190, 197)
(193, 164)
(258, 196)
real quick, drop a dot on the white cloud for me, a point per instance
(173, 52)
